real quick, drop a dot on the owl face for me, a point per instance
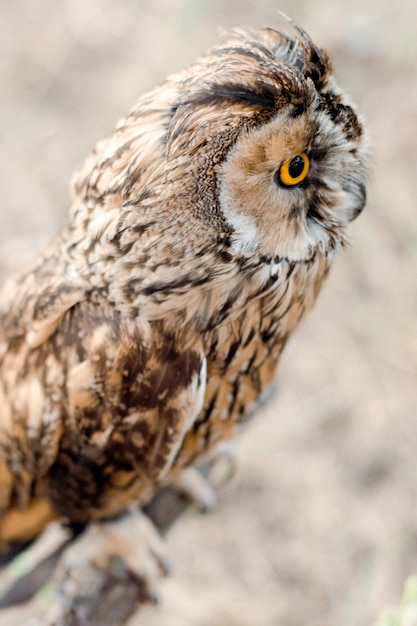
(291, 186)
(285, 146)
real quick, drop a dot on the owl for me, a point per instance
(200, 233)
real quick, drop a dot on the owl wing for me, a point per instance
(97, 408)
(132, 394)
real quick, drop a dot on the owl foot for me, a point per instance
(199, 486)
(116, 549)
(222, 463)
(196, 488)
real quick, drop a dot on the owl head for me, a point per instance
(252, 150)
(287, 152)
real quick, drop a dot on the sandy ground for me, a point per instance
(319, 527)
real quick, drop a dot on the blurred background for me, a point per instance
(319, 526)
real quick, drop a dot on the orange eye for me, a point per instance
(293, 171)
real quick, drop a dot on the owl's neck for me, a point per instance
(281, 291)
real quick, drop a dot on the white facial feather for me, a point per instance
(245, 237)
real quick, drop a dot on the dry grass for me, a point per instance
(320, 524)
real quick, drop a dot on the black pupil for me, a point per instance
(296, 167)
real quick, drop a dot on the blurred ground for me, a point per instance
(319, 527)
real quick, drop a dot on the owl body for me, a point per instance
(154, 322)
